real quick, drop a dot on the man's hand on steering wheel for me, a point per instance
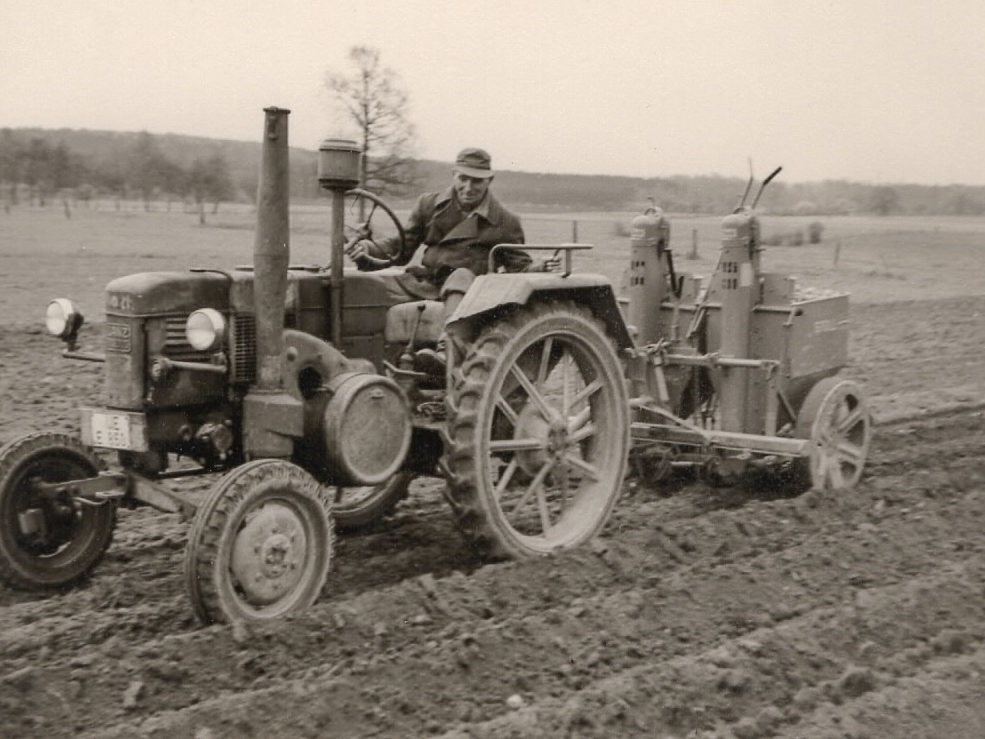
(358, 248)
(360, 252)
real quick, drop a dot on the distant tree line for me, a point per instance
(714, 194)
(39, 170)
(41, 164)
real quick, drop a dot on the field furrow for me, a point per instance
(700, 612)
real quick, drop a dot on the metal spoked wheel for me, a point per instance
(48, 539)
(261, 545)
(836, 420)
(539, 432)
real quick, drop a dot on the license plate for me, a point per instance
(114, 429)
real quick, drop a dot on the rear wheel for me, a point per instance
(836, 420)
(261, 545)
(359, 507)
(538, 432)
(49, 539)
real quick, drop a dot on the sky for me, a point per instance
(883, 91)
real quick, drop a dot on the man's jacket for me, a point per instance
(456, 239)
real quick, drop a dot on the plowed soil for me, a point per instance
(699, 612)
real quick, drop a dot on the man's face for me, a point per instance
(470, 190)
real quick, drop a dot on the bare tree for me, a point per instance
(208, 180)
(373, 97)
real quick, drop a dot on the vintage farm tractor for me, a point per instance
(297, 383)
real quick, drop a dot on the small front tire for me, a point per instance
(261, 545)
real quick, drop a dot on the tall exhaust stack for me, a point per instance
(272, 418)
(271, 249)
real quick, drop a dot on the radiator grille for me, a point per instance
(243, 348)
(176, 346)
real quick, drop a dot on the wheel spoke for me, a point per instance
(532, 392)
(854, 417)
(507, 410)
(563, 482)
(504, 479)
(586, 392)
(578, 421)
(583, 433)
(537, 482)
(589, 469)
(851, 454)
(516, 445)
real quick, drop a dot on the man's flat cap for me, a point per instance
(474, 163)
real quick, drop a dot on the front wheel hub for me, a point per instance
(268, 554)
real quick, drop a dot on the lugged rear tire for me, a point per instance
(74, 536)
(261, 545)
(521, 452)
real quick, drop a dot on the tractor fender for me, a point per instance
(498, 291)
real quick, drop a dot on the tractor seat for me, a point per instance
(401, 320)
(376, 288)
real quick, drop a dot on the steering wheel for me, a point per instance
(363, 231)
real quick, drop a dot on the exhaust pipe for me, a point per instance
(271, 248)
(272, 417)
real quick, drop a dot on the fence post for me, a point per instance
(574, 232)
(694, 244)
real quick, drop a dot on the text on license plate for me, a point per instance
(114, 430)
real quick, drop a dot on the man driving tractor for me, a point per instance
(457, 227)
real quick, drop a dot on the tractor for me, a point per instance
(297, 385)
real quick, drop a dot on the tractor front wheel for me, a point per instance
(261, 545)
(48, 538)
(538, 432)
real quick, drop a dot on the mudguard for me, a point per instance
(494, 291)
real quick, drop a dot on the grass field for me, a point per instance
(43, 254)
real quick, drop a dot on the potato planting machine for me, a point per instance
(739, 373)
(297, 386)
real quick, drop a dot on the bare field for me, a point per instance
(45, 255)
(699, 612)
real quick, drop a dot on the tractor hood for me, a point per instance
(153, 293)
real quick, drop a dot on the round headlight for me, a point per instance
(205, 329)
(62, 318)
